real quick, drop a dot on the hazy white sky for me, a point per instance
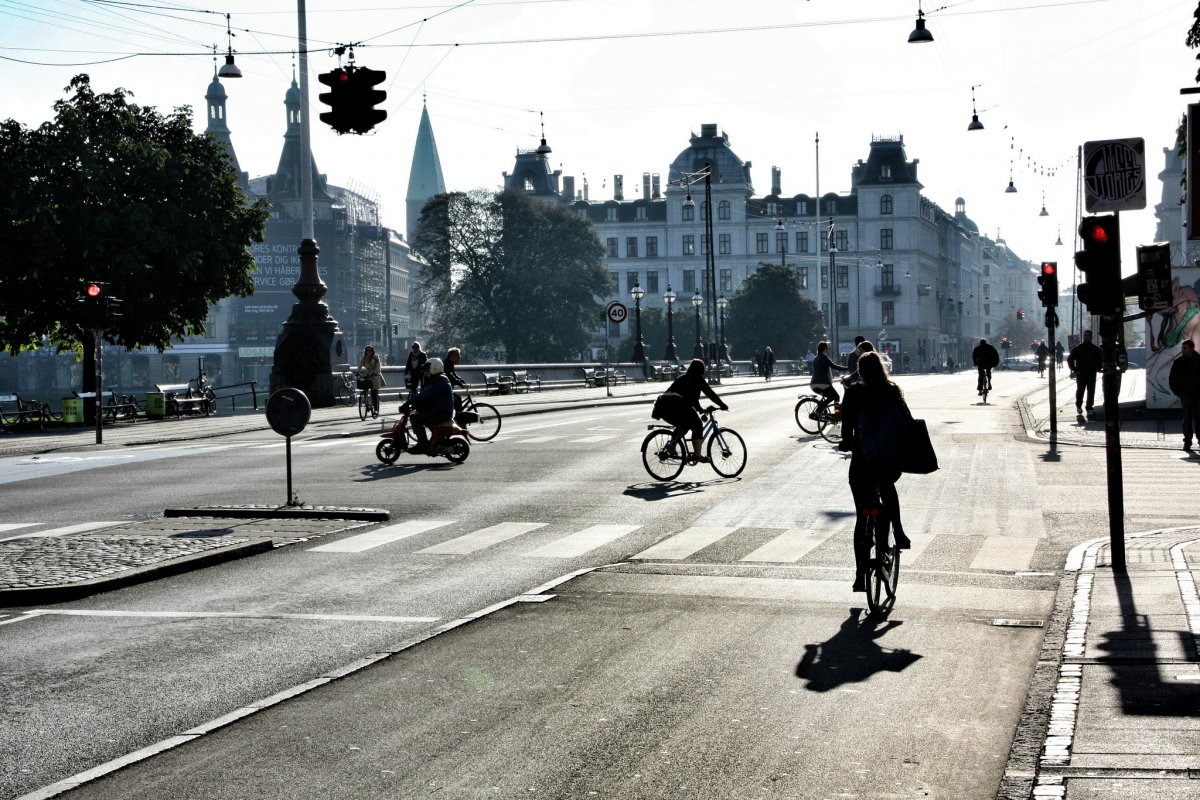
(623, 83)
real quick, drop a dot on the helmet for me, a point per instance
(435, 366)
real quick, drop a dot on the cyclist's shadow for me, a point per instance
(852, 654)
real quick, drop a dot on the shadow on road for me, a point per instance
(852, 654)
(376, 472)
(661, 490)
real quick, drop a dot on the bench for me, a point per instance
(664, 372)
(15, 411)
(491, 383)
(593, 377)
(521, 382)
(112, 406)
(617, 376)
(180, 400)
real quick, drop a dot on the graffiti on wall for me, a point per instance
(1167, 330)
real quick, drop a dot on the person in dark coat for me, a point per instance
(414, 367)
(433, 405)
(768, 363)
(1085, 361)
(985, 358)
(1185, 384)
(680, 406)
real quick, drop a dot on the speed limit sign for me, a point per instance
(617, 312)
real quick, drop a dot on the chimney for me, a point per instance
(708, 130)
(776, 175)
(618, 187)
(645, 185)
(657, 191)
(569, 188)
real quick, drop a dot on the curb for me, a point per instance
(282, 512)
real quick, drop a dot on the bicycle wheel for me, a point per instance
(344, 393)
(364, 405)
(488, 425)
(806, 411)
(727, 452)
(884, 571)
(831, 427)
(662, 459)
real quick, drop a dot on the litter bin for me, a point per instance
(72, 411)
(156, 405)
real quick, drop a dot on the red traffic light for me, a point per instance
(1094, 232)
(1049, 267)
(93, 290)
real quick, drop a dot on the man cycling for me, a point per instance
(985, 358)
(822, 377)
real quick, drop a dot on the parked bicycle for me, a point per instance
(481, 421)
(446, 441)
(876, 548)
(665, 453)
(345, 392)
(816, 415)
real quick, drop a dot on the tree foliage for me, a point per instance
(112, 191)
(769, 311)
(511, 271)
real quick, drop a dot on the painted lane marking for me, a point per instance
(225, 615)
(790, 546)
(593, 439)
(380, 536)
(684, 543)
(578, 544)
(484, 537)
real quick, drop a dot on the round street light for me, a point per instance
(698, 350)
(722, 304)
(639, 347)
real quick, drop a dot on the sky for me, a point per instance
(621, 85)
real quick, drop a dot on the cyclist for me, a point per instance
(1042, 353)
(370, 368)
(822, 377)
(433, 405)
(985, 358)
(680, 406)
(453, 356)
(875, 403)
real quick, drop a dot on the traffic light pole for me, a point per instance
(1110, 335)
(1051, 322)
(98, 336)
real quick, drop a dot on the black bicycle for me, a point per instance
(481, 421)
(816, 414)
(875, 548)
(368, 401)
(665, 453)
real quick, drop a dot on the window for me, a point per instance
(843, 276)
(640, 214)
(610, 214)
(824, 277)
(885, 204)
(843, 315)
(689, 283)
(772, 208)
(761, 240)
(885, 239)
(824, 242)
(704, 210)
(726, 281)
(804, 277)
(652, 282)
(631, 280)
(781, 238)
(704, 244)
(723, 210)
(689, 213)
(885, 172)
(842, 240)
(612, 247)
(887, 276)
(615, 280)
(651, 247)
(831, 206)
(889, 312)
(802, 241)
(631, 247)
(987, 329)
(689, 245)
(726, 243)
(802, 208)
(987, 309)
(528, 183)
(987, 270)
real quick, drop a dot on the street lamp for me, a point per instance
(833, 308)
(780, 228)
(669, 298)
(698, 350)
(639, 347)
(722, 303)
(710, 263)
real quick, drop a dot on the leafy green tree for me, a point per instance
(509, 270)
(769, 310)
(112, 191)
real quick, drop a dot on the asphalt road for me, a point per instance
(722, 657)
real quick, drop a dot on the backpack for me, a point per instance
(881, 435)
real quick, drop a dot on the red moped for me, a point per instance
(449, 441)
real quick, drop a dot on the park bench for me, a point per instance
(491, 383)
(617, 376)
(113, 407)
(593, 377)
(15, 411)
(521, 382)
(505, 384)
(180, 400)
(664, 372)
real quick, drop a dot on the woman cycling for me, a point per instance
(369, 367)
(874, 404)
(679, 405)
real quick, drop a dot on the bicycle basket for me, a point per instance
(363, 383)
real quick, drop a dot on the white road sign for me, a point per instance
(1114, 175)
(617, 312)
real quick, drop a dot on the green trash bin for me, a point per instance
(72, 410)
(156, 405)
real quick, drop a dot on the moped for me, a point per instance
(448, 440)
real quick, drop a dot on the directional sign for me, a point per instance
(617, 312)
(1114, 175)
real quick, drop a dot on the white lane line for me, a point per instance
(790, 546)
(313, 445)
(535, 439)
(684, 543)
(266, 446)
(82, 527)
(12, 526)
(226, 615)
(593, 439)
(920, 541)
(485, 537)
(579, 543)
(1006, 553)
(380, 536)
(542, 426)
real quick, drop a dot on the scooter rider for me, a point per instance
(433, 405)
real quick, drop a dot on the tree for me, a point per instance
(112, 191)
(768, 310)
(509, 270)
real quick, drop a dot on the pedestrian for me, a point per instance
(905, 361)
(1058, 354)
(414, 367)
(754, 368)
(768, 363)
(370, 369)
(1084, 362)
(1185, 384)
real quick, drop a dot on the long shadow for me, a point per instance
(661, 490)
(377, 472)
(852, 655)
(1136, 672)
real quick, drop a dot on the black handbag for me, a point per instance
(917, 456)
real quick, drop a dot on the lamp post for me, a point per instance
(722, 303)
(710, 262)
(698, 350)
(639, 347)
(833, 309)
(669, 298)
(782, 241)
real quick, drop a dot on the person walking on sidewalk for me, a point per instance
(1185, 384)
(1084, 362)
(768, 363)
(414, 367)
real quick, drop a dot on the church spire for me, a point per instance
(218, 127)
(425, 176)
(285, 184)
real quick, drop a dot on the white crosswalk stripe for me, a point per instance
(580, 543)
(685, 543)
(790, 546)
(67, 530)
(485, 537)
(380, 536)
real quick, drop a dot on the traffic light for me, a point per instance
(93, 300)
(112, 310)
(1048, 280)
(352, 100)
(1100, 261)
(1154, 276)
